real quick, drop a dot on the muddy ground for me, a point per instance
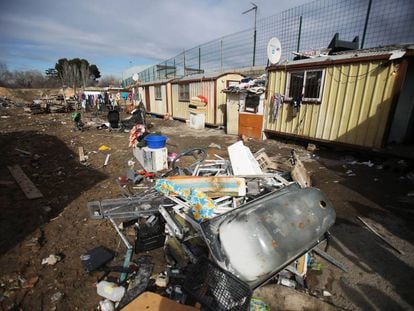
(379, 277)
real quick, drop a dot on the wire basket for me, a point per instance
(215, 288)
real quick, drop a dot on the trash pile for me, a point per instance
(227, 226)
(255, 86)
(6, 102)
(51, 104)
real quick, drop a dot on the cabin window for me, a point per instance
(306, 83)
(252, 103)
(184, 92)
(158, 92)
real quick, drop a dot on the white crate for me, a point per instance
(152, 160)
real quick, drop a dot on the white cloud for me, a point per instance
(154, 30)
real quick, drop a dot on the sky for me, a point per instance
(117, 35)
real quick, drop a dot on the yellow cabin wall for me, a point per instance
(356, 101)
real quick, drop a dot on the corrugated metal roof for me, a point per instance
(163, 81)
(348, 55)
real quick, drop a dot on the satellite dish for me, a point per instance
(135, 77)
(274, 50)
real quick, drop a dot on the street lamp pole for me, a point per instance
(255, 33)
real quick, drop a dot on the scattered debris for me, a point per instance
(104, 148)
(30, 283)
(82, 157)
(110, 290)
(325, 293)
(214, 145)
(311, 147)
(299, 173)
(23, 151)
(51, 260)
(367, 163)
(161, 280)
(350, 173)
(107, 305)
(106, 160)
(56, 297)
(204, 203)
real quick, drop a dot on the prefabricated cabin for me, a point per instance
(209, 86)
(362, 98)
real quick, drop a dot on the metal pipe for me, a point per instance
(199, 58)
(300, 33)
(366, 23)
(123, 238)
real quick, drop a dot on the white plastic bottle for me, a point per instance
(110, 290)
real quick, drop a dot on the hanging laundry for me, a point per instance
(124, 95)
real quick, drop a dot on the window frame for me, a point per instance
(156, 88)
(180, 98)
(305, 71)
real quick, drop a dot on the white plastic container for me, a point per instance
(197, 120)
(152, 160)
(110, 291)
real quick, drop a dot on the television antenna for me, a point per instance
(254, 35)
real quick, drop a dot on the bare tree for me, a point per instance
(109, 80)
(84, 72)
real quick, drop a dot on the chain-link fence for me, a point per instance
(307, 27)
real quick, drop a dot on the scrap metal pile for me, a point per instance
(227, 227)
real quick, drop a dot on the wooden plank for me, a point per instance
(216, 186)
(81, 154)
(24, 182)
(154, 302)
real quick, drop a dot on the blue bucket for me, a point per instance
(155, 141)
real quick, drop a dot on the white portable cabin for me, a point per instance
(209, 86)
(156, 96)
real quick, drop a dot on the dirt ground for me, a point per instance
(379, 277)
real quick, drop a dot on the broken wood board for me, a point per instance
(24, 182)
(155, 302)
(81, 154)
(242, 160)
(216, 186)
(299, 172)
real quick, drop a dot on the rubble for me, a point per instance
(201, 210)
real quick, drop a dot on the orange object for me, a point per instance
(149, 301)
